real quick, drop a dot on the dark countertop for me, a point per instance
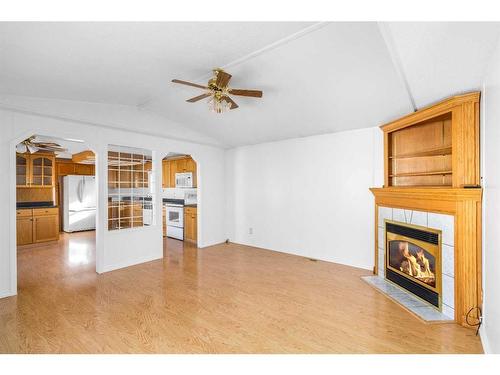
(191, 205)
(28, 205)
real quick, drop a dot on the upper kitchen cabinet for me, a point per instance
(35, 170)
(66, 167)
(165, 173)
(22, 170)
(178, 165)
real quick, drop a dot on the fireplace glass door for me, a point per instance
(413, 259)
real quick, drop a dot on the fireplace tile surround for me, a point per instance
(443, 222)
(413, 304)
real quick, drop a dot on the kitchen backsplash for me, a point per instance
(176, 193)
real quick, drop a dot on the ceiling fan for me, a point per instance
(218, 91)
(29, 145)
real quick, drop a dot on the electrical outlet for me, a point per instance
(250, 230)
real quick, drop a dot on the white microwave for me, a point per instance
(184, 180)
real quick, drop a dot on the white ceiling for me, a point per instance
(72, 147)
(316, 78)
(443, 58)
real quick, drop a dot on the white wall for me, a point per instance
(114, 249)
(307, 196)
(490, 333)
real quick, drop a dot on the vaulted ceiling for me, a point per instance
(317, 78)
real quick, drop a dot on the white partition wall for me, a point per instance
(113, 250)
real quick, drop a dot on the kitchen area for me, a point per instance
(180, 198)
(55, 189)
(57, 192)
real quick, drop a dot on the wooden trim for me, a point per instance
(386, 158)
(85, 157)
(431, 111)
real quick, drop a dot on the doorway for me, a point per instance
(180, 200)
(56, 209)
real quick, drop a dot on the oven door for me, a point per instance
(175, 216)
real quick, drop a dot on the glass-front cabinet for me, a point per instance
(22, 170)
(35, 170)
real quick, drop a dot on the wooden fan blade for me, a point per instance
(32, 149)
(50, 147)
(199, 97)
(230, 101)
(252, 93)
(189, 84)
(46, 144)
(222, 79)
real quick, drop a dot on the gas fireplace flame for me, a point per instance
(416, 265)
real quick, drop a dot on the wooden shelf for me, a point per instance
(433, 152)
(437, 173)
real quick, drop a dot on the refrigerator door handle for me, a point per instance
(79, 191)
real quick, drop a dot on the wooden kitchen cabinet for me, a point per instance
(66, 167)
(172, 171)
(24, 230)
(35, 170)
(22, 170)
(191, 224)
(37, 225)
(85, 169)
(45, 228)
(179, 165)
(166, 165)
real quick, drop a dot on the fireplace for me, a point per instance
(413, 260)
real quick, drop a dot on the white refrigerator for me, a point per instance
(79, 203)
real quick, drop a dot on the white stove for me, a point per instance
(175, 220)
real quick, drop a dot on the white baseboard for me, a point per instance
(129, 263)
(355, 265)
(213, 243)
(484, 340)
(6, 294)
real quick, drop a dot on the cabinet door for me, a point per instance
(45, 228)
(165, 178)
(190, 226)
(24, 230)
(84, 169)
(41, 170)
(173, 171)
(22, 170)
(181, 165)
(64, 169)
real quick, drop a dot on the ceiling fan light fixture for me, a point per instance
(218, 105)
(21, 148)
(220, 93)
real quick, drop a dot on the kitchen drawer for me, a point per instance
(45, 211)
(190, 210)
(28, 212)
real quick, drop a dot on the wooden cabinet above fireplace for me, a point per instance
(437, 146)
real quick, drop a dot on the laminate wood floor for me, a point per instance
(223, 299)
